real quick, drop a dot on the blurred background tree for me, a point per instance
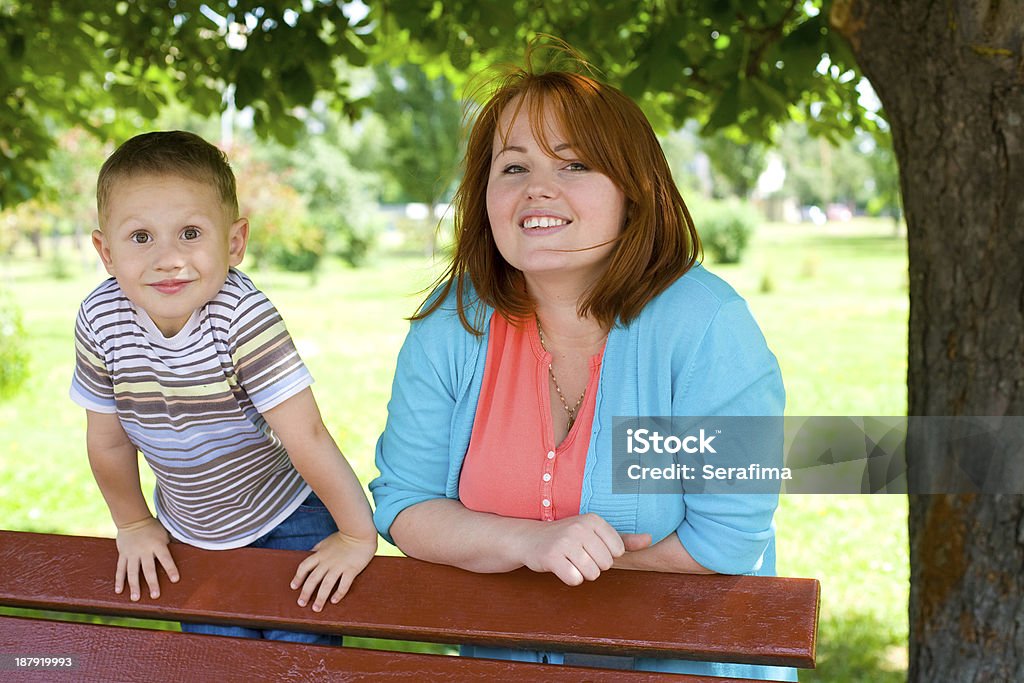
(423, 121)
(736, 164)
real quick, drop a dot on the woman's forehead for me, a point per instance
(531, 118)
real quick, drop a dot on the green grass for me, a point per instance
(832, 304)
(835, 314)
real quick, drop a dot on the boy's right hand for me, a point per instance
(142, 544)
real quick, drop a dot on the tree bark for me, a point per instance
(951, 78)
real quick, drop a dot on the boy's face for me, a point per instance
(169, 241)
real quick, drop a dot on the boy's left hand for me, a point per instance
(335, 562)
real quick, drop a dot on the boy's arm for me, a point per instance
(141, 539)
(339, 558)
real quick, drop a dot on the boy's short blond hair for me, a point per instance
(168, 152)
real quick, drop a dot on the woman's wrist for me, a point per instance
(515, 541)
(667, 555)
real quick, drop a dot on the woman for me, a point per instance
(574, 296)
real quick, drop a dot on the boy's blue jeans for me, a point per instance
(308, 525)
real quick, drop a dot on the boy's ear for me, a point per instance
(99, 243)
(238, 238)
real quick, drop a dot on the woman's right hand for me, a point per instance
(140, 545)
(576, 548)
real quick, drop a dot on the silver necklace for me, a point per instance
(571, 412)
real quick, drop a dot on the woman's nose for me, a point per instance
(542, 185)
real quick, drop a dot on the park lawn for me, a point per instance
(832, 302)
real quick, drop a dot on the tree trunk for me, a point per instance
(951, 78)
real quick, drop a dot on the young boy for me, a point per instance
(180, 357)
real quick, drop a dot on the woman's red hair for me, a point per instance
(610, 134)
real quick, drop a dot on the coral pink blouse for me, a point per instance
(513, 467)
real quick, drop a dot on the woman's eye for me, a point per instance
(140, 237)
(576, 166)
(190, 234)
(513, 169)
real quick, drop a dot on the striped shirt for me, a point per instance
(192, 405)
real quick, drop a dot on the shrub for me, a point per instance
(357, 248)
(280, 231)
(351, 239)
(299, 249)
(13, 350)
(725, 227)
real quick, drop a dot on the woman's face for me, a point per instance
(544, 209)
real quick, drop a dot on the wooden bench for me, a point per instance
(756, 620)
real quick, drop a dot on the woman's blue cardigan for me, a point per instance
(694, 350)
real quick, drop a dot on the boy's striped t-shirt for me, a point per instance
(192, 405)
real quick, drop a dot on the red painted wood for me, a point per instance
(757, 620)
(109, 653)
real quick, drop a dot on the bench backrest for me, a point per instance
(756, 620)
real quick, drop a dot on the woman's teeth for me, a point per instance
(542, 222)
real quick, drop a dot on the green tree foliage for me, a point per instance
(746, 65)
(735, 164)
(322, 168)
(423, 121)
(106, 67)
(682, 150)
(820, 171)
(40, 84)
